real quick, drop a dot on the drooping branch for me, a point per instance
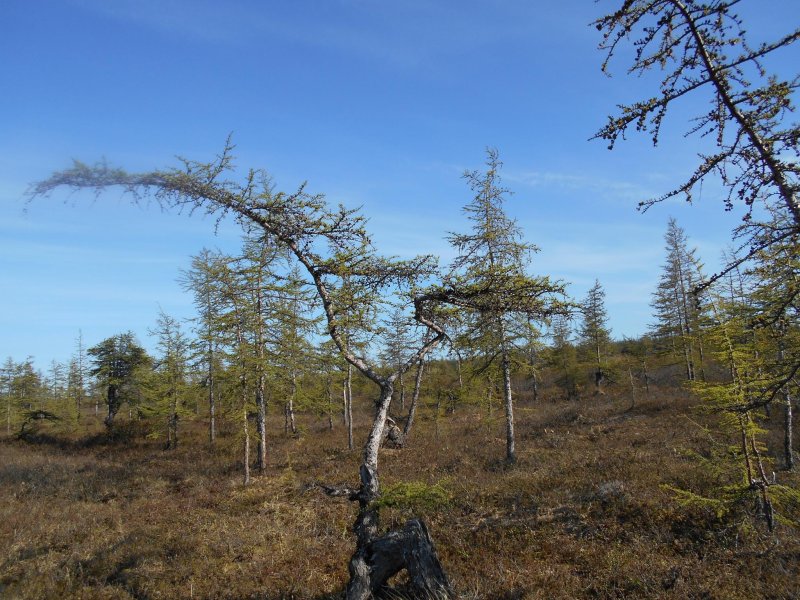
(690, 41)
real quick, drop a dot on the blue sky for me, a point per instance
(377, 104)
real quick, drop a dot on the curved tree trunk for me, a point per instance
(378, 558)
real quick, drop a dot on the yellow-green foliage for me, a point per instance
(415, 495)
(690, 499)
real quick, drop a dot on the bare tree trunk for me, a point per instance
(290, 405)
(330, 405)
(378, 558)
(344, 404)
(212, 416)
(633, 389)
(787, 432)
(212, 408)
(246, 448)
(348, 394)
(412, 411)
(402, 394)
(261, 425)
(511, 453)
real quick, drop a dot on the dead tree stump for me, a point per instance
(393, 436)
(380, 557)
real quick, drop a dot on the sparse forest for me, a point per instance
(338, 423)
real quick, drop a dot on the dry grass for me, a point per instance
(581, 516)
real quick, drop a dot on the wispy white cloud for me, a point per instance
(369, 29)
(609, 189)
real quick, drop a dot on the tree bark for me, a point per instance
(290, 406)
(261, 425)
(633, 389)
(511, 452)
(246, 448)
(402, 393)
(787, 432)
(412, 411)
(113, 404)
(378, 558)
(348, 395)
(330, 405)
(212, 416)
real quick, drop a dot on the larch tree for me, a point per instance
(242, 303)
(595, 334)
(169, 379)
(200, 279)
(256, 289)
(116, 360)
(294, 324)
(7, 386)
(703, 53)
(563, 357)
(490, 273)
(332, 246)
(774, 300)
(57, 384)
(397, 335)
(77, 374)
(678, 310)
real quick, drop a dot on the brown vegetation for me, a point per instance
(583, 514)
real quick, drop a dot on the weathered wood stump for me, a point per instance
(378, 558)
(393, 436)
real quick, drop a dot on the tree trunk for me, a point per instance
(246, 448)
(212, 416)
(113, 405)
(172, 424)
(460, 375)
(212, 409)
(344, 404)
(412, 411)
(598, 375)
(378, 558)
(511, 453)
(402, 393)
(633, 389)
(348, 394)
(330, 405)
(787, 432)
(290, 406)
(261, 425)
